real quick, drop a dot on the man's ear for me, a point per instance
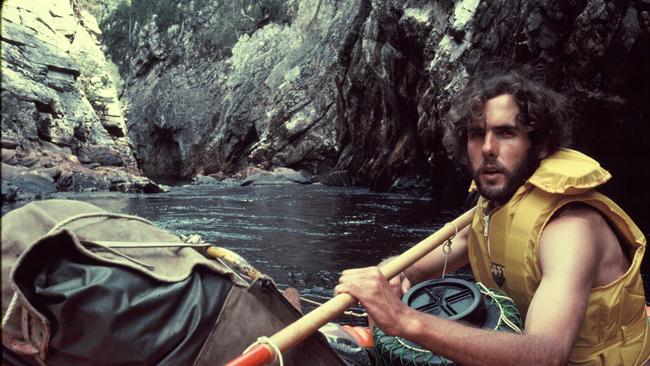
(542, 151)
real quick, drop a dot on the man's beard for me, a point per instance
(513, 179)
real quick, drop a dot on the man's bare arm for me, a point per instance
(569, 257)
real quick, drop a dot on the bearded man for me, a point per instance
(568, 256)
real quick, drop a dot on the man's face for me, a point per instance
(499, 150)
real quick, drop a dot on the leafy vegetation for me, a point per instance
(217, 25)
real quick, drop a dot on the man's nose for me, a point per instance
(490, 145)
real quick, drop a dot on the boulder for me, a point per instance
(102, 155)
(277, 176)
(203, 179)
(10, 171)
(8, 143)
(77, 181)
(9, 192)
(9, 156)
(137, 186)
(33, 185)
(53, 172)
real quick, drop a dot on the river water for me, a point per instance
(301, 235)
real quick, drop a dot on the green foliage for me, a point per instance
(118, 27)
(238, 18)
(115, 30)
(216, 31)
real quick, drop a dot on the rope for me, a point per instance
(347, 312)
(122, 255)
(446, 248)
(266, 340)
(502, 318)
(97, 214)
(109, 215)
(10, 309)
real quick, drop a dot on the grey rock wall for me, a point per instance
(355, 91)
(268, 101)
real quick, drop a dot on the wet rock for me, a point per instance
(276, 176)
(76, 181)
(411, 184)
(147, 186)
(32, 185)
(9, 156)
(52, 172)
(220, 176)
(8, 143)
(137, 186)
(9, 192)
(340, 178)
(203, 179)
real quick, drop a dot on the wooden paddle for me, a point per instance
(263, 354)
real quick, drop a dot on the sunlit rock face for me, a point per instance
(202, 101)
(60, 104)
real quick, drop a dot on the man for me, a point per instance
(567, 255)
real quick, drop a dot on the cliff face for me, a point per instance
(205, 103)
(358, 88)
(355, 91)
(62, 122)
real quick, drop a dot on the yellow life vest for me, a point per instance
(503, 254)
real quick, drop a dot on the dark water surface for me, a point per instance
(301, 235)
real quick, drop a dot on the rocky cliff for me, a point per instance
(231, 87)
(63, 126)
(354, 91)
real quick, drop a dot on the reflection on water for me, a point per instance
(301, 235)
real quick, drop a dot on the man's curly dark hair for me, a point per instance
(542, 112)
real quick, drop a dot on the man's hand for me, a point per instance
(381, 299)
(400, 284)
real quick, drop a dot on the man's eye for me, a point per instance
(475, 134)
(506, 133)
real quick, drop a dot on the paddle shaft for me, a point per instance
(302, 328)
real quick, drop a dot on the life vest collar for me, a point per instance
(567, 172)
